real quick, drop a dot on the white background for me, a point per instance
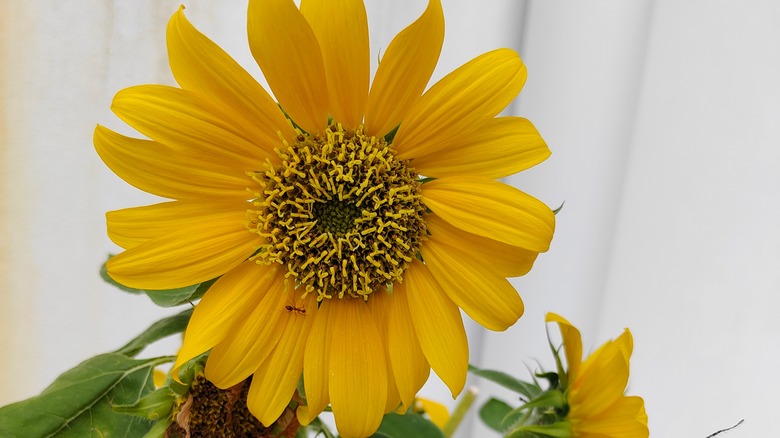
(663, 118)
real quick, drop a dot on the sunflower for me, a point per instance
(597, 406)
(347, 221)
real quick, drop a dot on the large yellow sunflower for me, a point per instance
(595, 388)
(337, 258)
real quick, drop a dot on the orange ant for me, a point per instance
(300, 310)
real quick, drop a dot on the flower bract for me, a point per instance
(595, 388)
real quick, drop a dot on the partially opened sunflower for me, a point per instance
(595, 388)
(348, 223)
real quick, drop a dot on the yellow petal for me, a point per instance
(379, 306)
(471, 94)
(501, 147)
(148, 166)
(508, 260)
(130, 227)
(274, 383)
(252, 340)
(624, 419)
(342, 31)
(438, 325)
(358, 376)
(486, 296)
(286, 49)
(572, 344)
(315, 364)
(410, 368)
(198, 64)
(189, 256)
(183, 120)
(491, 209)
(437, 412)
(404, 71)
(159, 378)
(224, 306)
(602, 379)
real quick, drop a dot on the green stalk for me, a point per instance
(460, 412)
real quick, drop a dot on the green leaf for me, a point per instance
(158, 430)
(493, 412)
(160, 329)
(78, 403)
(529, 390)
(154, 406)
(410, 425)
(163, 298)
(522, 434)
(319, 427)
(177, 297)
(557, 430)
(104, 275)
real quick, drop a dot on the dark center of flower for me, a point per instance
(340, 212)
(336, 217)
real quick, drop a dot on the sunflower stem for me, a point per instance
(460, 412)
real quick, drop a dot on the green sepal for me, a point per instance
(522, 434)
(517, 417)
(391, 135)
(155, 406)
(557, 430)
(187, 374)
(562, 374)
(159, 428)
(552, 378)
(160, 329)
(549, 399)
(302, 433)
(530, 390)
(78, 402)
(163, 298)
(402, 426)
(493, 413)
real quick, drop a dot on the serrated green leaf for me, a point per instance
(78, 403)
(529, 390)
(411, 425)
(163, 298)
(160, 329)
(154, 406)
(493, 412)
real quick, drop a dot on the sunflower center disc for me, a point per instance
(340, 212)
(336, 217)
